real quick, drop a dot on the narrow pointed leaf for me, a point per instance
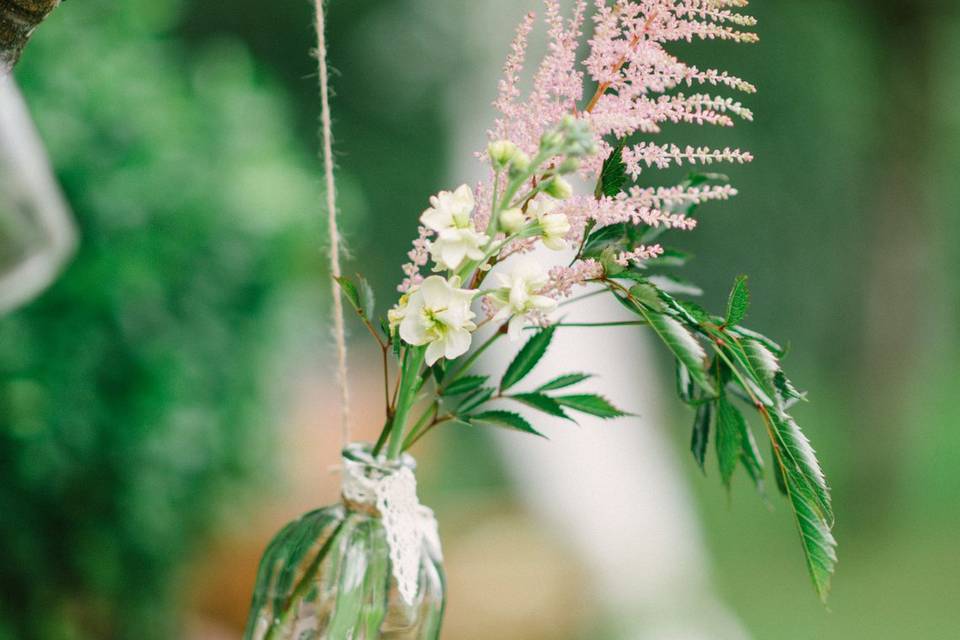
(729, 439)
(464, 385)
(564, 381)
(681, 342)
(701, 433)
(591, 404)
(505, 419)
(527, 358)
(738, 302)
(475, 399)
(809, 496)
(541, 402)
(685, 388)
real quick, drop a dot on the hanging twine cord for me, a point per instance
(339, 332)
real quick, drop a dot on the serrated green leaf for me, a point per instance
(738, 302)
(743, 332)
(614, 235)
(682, 344)
(464, 385)
(685, 387)
(349, 291)
(799, 461)
(564, 381)
(751, 458)
(731, 426)
(541, 402)
(527, 358)
(591, 404)
(648, 295)
(701, 433)
(802, 480)
(475, 399)
(778, 471)
(506, 419)
(613, 175)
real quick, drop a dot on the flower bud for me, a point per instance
(559, 188)
(520, 164)
(501, 153)
(512, 220)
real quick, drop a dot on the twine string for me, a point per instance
(339, 332)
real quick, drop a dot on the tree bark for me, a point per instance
(18, 20)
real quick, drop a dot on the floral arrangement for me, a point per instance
(616, 231)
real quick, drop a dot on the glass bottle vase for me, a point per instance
(368, 567)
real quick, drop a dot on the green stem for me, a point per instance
(436, 423)
(382, 440)
(409, 377)
(425, 420)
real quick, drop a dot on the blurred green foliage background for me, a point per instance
(137, 395)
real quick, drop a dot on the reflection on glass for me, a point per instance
(36, 231)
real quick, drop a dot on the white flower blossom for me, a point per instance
(518, 295)
(554, 226)
(457, 240)
(438, 314)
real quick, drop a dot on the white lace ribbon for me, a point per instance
(409, 525)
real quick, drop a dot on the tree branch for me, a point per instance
(18, 20)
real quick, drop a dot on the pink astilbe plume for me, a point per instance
(637, 85)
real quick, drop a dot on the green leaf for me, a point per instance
(751, 459)
(464, 385)
(541, 402)
(475, 399)
(778, 471)
(685, 388)
(809, 496)
(506, 419)
(743, 332)
(590, 404)
(349, 291)
(527, 358)
(565, 381)
(731, 426)
(360, 298)
(684, 346)
(738, 302)
(648, 295)
(614, 235)
(613, 175)
(799, 461)
(701, 433)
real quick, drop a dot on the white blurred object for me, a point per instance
(37, 234)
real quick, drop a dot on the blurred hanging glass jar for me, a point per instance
(36, 230)
(368, 567)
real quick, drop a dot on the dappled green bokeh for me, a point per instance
(182, 133)
(132, 394)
